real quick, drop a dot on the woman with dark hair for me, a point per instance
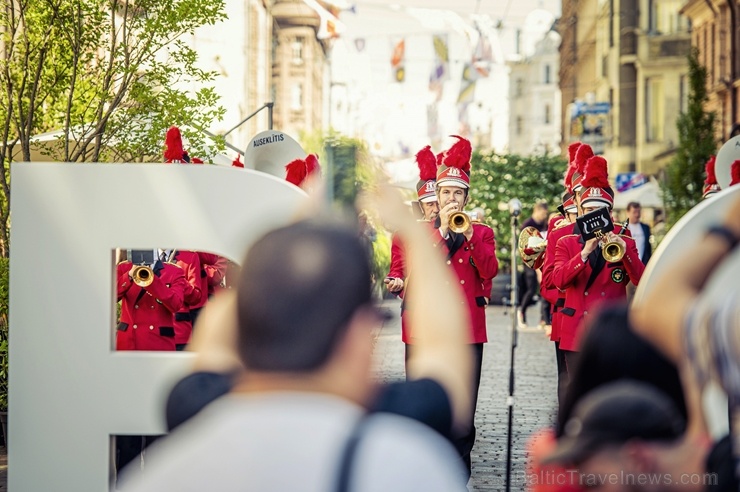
(609, 351)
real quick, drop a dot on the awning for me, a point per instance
(647, 195)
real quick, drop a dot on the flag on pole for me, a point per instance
(398, 60)
(329, 25)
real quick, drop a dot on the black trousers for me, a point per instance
(129, 449)
(464, 442)
(532, 287)
(562, 373)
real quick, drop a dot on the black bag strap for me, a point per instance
(348, 455)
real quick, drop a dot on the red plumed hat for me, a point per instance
(583, 154)
(596, 189)
(455, 164)
(173, 150)
(238, 161)
(427, 162)
(572, 149)
(710, 183)
(568, 181)
(735, 173)
(298, 170)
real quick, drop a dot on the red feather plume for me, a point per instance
(298, 170)
(459, 154)
(295, 172)
(173, 150)
(709, 168)
(735, 173)
(595, 174)
(572, 149)
(427, 162)
(312, 164)
(238, 161)
(583, 154)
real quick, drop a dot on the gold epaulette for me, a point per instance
(561, 223)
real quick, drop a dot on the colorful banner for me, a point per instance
(467, 84)
(440, 70)
(398, 60)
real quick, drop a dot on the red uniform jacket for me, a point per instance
(474, 263)
(147, 314)
(190, 264)
(583, 293)
(398, 263)
(213, 270)
(555, 296)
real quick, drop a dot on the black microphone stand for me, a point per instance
(514, 302)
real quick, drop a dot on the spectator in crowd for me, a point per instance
(294, 417)
(610, 352)
(629, 436)
(700, 334)
(639, 231)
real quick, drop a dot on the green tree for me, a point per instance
(682, 188)
(112, 75)
(497, 178)
(349, 168)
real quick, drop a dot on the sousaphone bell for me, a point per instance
(531, 247)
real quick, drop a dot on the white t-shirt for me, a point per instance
(639, 236)
(291, 441)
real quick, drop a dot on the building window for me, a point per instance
(548, 114)
(654, 109)
(547, 74)
(519, 125)
(519, 88)
(296, 97)
(296, 50)
(605, 66)
(664, 17)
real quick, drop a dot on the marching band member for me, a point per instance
(580, 268)
(472, 255)
(397, 276)
(147, 308)
(189, 262)
(557, 229)
(710, 183)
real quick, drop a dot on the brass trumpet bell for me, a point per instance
(531, 247)
(459, 222)
(143, 276)
(612, 251)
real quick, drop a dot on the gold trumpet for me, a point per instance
(612, 251)
(459, 222)
(142, 275)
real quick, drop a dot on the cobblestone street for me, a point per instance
(534, 392)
